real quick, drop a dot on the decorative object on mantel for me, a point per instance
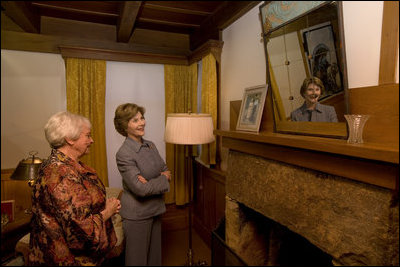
(356, 124)
(252, 108)
(189, 129)
(27, 169)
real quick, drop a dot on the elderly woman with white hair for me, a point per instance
(71, 222)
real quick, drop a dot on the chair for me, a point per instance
(22, 246)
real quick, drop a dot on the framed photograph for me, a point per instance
(320, 50)
(7, 211)
(252, 108)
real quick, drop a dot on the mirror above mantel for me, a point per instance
(305, 39)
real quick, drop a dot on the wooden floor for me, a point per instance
(175, 239)
(175, 248)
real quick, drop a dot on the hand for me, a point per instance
(167, 174)
(141, 179)
(118, 207)
(113, 205)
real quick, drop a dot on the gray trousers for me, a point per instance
(143, 242)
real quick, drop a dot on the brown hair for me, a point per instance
(312, 80)
(123, 114)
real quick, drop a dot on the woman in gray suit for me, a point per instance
(145, 178)
(312, 110)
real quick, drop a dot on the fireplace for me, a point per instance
(274, 209)
(274, 245)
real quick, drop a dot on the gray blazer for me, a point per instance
(322, 113)
(141, 201)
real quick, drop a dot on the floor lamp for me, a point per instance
(189, 129)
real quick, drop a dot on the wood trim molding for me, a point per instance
(124, 56)
(6, 173)
(211, 46)
(389, 43)
(108, 50)
(366, 151)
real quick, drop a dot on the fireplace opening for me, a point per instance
(258, 240)
(295, 250)
(221, 254)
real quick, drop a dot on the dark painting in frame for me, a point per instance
(320, 51)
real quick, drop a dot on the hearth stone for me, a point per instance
(354, 222)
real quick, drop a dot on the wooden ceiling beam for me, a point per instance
(184, 7)
(126, 21)
(168, 22)
(163, 27)
(170, 18)
(227, 13)
(99, 8)
(21, 15)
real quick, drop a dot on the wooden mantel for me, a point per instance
(375, 164)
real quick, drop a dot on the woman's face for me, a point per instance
(312, 94)
(136, 127)
(82, 144)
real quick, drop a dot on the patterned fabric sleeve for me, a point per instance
(72, 207)
(70, 229)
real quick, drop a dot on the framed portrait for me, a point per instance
(251, 109)
(320, 51)
(7, 211)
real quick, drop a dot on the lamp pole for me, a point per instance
(189, 129)
(189, 177)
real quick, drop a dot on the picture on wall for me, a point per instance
(7, 211)
(251, 109)
(320, 51)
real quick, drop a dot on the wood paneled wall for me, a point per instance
(382, 104)
(15, 190)
(209, 200)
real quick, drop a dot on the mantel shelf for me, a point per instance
(379, 152)
(375, 164)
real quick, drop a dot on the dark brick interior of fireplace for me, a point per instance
(282, 247)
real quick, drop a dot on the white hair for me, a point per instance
(63, 125)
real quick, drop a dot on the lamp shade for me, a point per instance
(27, 169)
(189, 129)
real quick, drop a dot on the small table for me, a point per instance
(12, 232)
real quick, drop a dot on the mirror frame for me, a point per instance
(323, 129)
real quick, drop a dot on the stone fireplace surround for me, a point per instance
(354, 222)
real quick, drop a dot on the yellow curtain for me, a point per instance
(180, 97)
(86, 87)
(209, 103)
(279, 111)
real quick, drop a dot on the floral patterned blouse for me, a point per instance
(67, 227)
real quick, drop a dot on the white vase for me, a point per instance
(356, 124)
